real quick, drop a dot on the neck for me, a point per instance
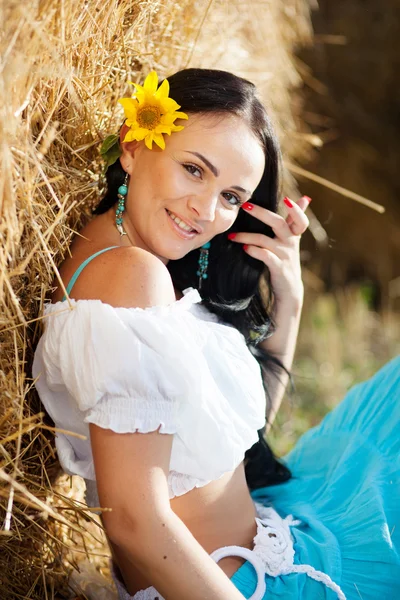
(128, 240)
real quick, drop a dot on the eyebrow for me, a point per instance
(215, 171)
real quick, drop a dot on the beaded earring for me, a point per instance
(122, 192)
(203, 263)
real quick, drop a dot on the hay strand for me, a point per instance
(336, 188)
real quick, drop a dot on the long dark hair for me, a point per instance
(232, 289)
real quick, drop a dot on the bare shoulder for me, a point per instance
(126, 277)
(140, 279)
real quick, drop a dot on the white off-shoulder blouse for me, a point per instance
(176, 367)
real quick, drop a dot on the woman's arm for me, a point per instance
(281, 255)
(282, 344)
(131, 473)
(132, 468)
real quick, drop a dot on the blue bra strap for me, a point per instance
(81, 267)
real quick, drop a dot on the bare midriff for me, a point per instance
(221, 513)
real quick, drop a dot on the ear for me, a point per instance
(128, 150)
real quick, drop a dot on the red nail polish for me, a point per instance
(287, 202)
(307, 198)
(231, 236)
(245, 246)
(248, 206)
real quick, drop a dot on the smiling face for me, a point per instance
(203, 175)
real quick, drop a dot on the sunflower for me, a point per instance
(150, 113)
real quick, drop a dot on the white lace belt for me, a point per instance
(273, 553)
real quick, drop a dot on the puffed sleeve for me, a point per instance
(121, 366)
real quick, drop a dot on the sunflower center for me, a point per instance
(148, 117)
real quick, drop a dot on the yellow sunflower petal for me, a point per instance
(131, 123)
(151, 83)
(165, 121)
(180, 115)
(163, 90)
(129, 136)
(168, 105)
(177, 127)
(148, 140)
(163, 129)
(169, 118)
(139, 133)
(140, 93)
(159, 140)
(130, 106)
(137, 86)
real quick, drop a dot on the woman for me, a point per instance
(172, 390)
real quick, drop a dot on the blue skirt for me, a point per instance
(345, 491)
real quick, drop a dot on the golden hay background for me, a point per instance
(64, 65)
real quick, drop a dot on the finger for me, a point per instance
(261, 241)
(276, 222)
(266, 256)
(299, 221)
(303, 203)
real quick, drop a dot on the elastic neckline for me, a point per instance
(190, 296)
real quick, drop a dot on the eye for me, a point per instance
(235, 198)
(189, 168)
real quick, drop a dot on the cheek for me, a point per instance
(226, 219)
(154, 181)
(170, 183)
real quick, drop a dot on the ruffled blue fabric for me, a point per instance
(346, 492)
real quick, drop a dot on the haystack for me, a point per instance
(63, 67)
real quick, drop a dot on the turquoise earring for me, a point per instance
(203, 263)
(122, 192)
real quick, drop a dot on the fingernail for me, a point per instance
(307, 198)
(231, 236)
(248, 206)
(245, 246)
(287, 202)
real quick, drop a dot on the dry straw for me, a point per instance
(63, 66)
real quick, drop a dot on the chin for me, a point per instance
(177, 254)
(169, 252)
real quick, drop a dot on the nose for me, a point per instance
(204, 206)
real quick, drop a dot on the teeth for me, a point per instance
(179, 222)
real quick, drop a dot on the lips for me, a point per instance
(186, 235)
(197, 228)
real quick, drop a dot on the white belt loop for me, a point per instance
(252, 558)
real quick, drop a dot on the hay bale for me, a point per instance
(64, 65)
